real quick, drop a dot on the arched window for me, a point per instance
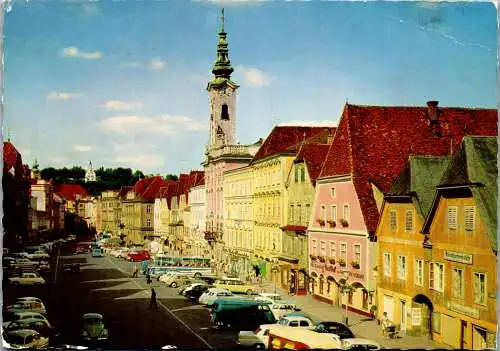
(224, 114)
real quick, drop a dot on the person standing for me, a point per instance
(152, 301)
(136, 271)
(384, 323)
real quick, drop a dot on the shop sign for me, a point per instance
(416, 316)
(469, 311)
(458, 257)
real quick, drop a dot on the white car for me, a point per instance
(166, 277)
(38, 255)
(359, 344)
(24, 306)
(27, 278)
(282, 308)
(208, 297)
(257, 339)
(26, 339)
(36, 300)
(24, 263)
(19, 254)
(296, 321)
(271, 297)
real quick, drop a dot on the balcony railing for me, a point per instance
(230, 150)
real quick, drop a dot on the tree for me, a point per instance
(171, 177)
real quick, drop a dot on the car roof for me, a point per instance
(26, 313)
(24, 332)
(92, 315)
(29, 298)
(217, 290)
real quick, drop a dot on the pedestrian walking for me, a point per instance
(152, 301)
(136, 271)
(148, 278)
(384, 323)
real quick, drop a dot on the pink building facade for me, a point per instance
(339, 245)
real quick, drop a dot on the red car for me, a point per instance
(142, 255)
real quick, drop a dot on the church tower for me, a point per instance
(222, 94)
(90, 175)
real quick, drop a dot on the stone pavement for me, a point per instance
(360, 325)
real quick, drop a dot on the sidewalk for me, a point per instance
(360, 325)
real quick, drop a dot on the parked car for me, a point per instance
(212, 294)
(195, 293)
(17, 316)
(282, 308)
(26, 339)
(31, 299)
(22, 306)
(27, 278)
(334, 328)
(138, 256)
(25, 263)
(163, 277)
(19, 254)
(207, 279)
(272, 297)
(234, 285)
(39, 254)
(93, 327)
(296, 321)
(359, 344)
(241, 313)
(258, 339)
(183, 290)
(39, 325)
(179, 279)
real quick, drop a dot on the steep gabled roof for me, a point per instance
(147, 188)
(123, 191)
(313, 155)
(475, 165)
(285, 139)
(168, 191)
(419, 179)
(372, 143)
(69, 192)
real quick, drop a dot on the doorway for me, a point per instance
(478, 338)
(463, 335)
(402, 305)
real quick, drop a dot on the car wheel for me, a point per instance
(259, 346)
(249, 292)
(197, 275)
(173, 285)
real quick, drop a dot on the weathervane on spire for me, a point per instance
(222, 21)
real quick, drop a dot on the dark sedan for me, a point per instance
(195, 293)
(334, 328)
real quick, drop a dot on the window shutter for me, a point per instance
(452, 217)
(392, 220)
(469, 218)
(431, 275)
(409, 221)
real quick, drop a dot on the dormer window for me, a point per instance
(224, 114)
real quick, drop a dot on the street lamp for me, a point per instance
(346, 274)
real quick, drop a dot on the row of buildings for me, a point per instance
(393, 210)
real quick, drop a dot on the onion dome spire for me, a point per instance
(222, 67)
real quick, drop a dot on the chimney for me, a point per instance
(432, 110)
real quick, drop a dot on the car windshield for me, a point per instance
(92, 320)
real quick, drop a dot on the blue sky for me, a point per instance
(122, 83)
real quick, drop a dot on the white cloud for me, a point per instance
(237, 2)
(164, 124)
(157, 64)
(58, 160)
(25, 152)
(254, 76)
(154, 64)
(140, 161)
(118, 105)
(82, 148)
(73, 51)
(308, 124)
(58, 95)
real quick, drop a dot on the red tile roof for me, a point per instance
(147, 188)
(123, 191)
(69, 192)
(372, 143)
(168, 191)
(285, 138)
(12, 158)
(313, 155)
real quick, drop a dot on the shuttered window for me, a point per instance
(419, 272)
(480, 288)
(458, 283)
(452, 217)
(436, 276)
(392, 221)
(401, 267)
(409, 221)
(387, 264)
(469, 218)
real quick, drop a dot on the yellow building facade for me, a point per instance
(238, 221)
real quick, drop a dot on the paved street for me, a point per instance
(103, 287)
